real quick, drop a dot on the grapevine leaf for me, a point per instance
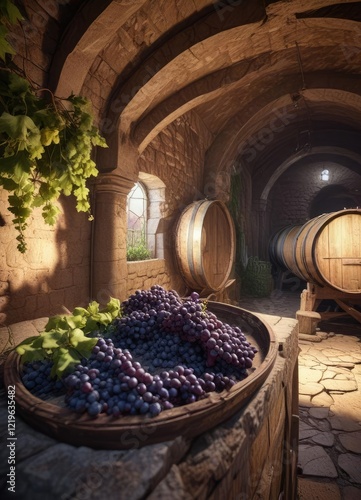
(64, 361)
(16, 127)
(32, 354)
(31, 349)
(11, 12)
(80, 311)
(8, 184)
(91, 324)
(5, 47)
(75, 321)
(77, 336)
(52, 339)
(85, 347)
(93, 307)
(113, 306)
(57, 323)
(8, 163)
(18, 85)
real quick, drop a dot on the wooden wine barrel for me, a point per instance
(325, 251)
(205, 245)
(281, 246)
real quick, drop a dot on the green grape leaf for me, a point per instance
(91, 325)
(64, 360)
(76, 321)
(113, 306)
(85, 347)
(78, 339)
(57, 322)
(8, 184)
(80, 311)
(93, 307)
(53, 339)
(17, 127)
(11, 12)
(5, 47)
(17, 85)
(9, 163)
(50, 214)
(76, 336)
(31, 349)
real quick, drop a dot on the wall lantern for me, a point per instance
(325, 175)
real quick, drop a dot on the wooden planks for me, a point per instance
(205, 245)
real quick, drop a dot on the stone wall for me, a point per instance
(144, 274)
(176, 157)
(54, 272)
(295, 190)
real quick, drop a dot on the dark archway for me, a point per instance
(331, 199)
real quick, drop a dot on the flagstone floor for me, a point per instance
(329, 404)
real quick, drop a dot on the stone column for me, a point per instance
(108, 261)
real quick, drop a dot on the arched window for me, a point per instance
(137, 214)
(146, 210)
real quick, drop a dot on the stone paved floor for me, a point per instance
(329, 404)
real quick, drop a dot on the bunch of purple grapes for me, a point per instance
(112, 382)
(219, 340)
(163, 352)
(37, 379)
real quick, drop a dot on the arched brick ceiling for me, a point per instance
(145, 63)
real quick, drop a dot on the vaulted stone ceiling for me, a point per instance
(273, 82)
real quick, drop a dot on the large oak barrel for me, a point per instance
(325, 251)
(281, 246)
(205, 245)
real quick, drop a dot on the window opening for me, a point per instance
(137, 207)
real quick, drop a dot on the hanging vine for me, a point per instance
(45, 142)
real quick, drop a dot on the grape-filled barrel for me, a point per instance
(325, 251)
(205, 245)
(110, 431)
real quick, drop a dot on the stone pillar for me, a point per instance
(109, 262)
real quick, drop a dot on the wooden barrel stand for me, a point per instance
(308, 317)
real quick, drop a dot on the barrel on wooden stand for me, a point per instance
(205, 245)
(325, 251)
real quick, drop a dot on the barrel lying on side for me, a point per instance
(205, 245)
(325, 251)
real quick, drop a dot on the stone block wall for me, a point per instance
(176, 157)
(144, 274)
(295, 190)
(53, 274)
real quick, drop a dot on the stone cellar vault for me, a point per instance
(200, 95)
(240, 102)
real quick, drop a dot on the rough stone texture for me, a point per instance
(351, 464)
(308, 489)
(351, 493)
(332, 421)
(316, 462)
(351, 441)
(298, 187)
(144, 274)
(54, 272)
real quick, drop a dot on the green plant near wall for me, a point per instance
(234, 206)
(138, 251)
(46, 143)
